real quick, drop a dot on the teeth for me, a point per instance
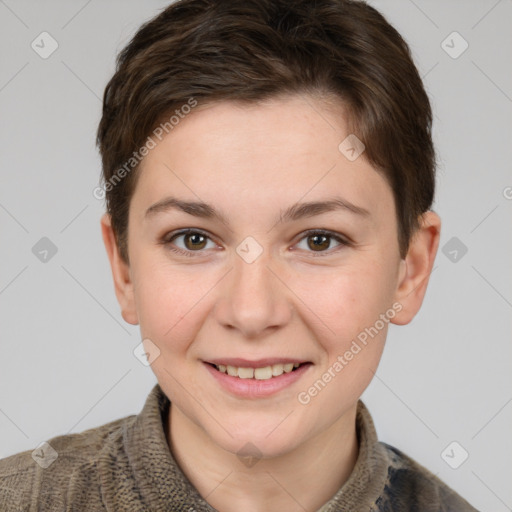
(258, 373)
(263, 373)
(246, 373)
(277, 369)
(233, 371)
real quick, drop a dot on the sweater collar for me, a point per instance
(161, 482)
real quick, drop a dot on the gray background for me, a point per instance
(67, 362)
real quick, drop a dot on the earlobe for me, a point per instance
(416, 268)
(121, 275)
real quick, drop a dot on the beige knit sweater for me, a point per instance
(126, 465)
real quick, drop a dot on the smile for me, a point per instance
(264, 373)
(256, 379)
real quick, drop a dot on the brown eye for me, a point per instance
(319, 242)
(188, 242)
(322, 242)
(194, 241)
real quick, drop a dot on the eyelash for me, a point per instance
(167, 241)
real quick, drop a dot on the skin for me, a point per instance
(251, 162)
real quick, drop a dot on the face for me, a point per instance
(254, 242)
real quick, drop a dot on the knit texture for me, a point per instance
(126, 465)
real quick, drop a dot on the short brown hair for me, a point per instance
(251, 50)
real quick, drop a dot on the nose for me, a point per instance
(253, 300)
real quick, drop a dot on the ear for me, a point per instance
(416, 268)
(120, 272)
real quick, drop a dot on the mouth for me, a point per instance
(256, 379)
(267, 372)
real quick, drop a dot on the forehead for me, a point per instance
(260, 156)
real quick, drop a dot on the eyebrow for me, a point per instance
(293, 213)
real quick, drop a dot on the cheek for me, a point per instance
(171, 312)
(345, 300)
(168, 301)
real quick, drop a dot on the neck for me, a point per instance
(302, 479)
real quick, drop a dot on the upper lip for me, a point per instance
(258, 363)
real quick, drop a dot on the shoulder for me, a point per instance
(62, 465)
(410, 486)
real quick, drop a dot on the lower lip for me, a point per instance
(254, 388)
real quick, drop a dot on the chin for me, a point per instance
(253, 439)
(258, 448)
